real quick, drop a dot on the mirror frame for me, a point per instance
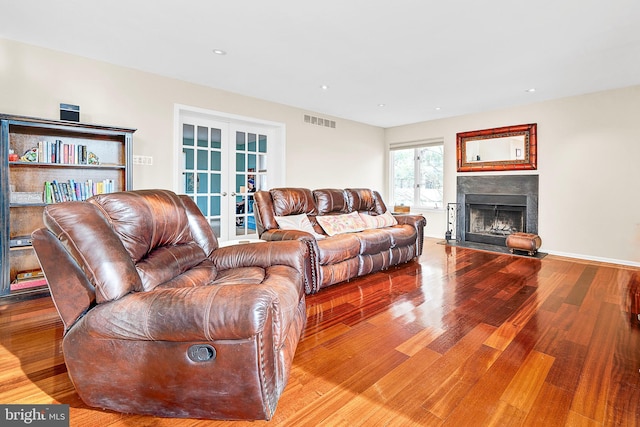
(530, 160)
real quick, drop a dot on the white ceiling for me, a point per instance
(461, 56)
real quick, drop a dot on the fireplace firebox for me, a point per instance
(490, 218)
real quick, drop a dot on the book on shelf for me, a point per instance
(28, 279)
(62, 153)
(56, 192)
(29, 275)
(28, 283)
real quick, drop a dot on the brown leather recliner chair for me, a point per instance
(158, 319)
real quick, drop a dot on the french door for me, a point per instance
(222, 164)
(249, 174)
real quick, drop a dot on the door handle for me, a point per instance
(224, 194)
(233, 194)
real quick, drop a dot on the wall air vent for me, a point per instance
(319, 121)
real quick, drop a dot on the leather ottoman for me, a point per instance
(524, 242)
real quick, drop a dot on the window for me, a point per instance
(417, 174)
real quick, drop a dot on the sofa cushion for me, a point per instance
(378, 221)
(297, 222)
(140, 219)
(338, 248)
(361, 199)
(292, 201)
(339, 272)
(339, 224)
(200, 275)
(402, 235)
(176, 263)
(243, 275)
(374, 241)
(330, 200)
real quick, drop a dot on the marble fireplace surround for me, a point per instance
(525, 186)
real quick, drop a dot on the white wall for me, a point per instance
(34, 81)
(589, 146)
(588, 163)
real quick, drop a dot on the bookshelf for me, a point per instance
(48, 161)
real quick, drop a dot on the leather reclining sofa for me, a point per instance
(349, 232)
(160, 320)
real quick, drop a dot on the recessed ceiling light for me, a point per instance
(324, 87)
(533, 89)
(219, 52)
(437, 108)
(382, 105)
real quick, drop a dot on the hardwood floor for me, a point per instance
(459, 338)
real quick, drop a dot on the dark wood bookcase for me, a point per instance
(22, 182)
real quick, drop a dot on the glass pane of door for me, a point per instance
(202, 169)
(249, 177)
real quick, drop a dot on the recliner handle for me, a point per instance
(201, 352)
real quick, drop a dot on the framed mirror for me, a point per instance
(498, 149)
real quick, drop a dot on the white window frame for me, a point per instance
(415, 145)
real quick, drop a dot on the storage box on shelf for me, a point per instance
(47, 161)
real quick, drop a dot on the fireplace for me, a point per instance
(490, 208)
(490, 218)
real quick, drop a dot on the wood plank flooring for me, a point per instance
(460, 337)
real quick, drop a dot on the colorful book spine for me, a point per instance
(27, 284)
(48, 193)
(59, 152)
(56, 192)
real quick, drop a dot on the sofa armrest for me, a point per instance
(416, 221)
(71, 291)
(202, 313)
(291, 253)
(294, 253)
(311, 261)
(410, 219)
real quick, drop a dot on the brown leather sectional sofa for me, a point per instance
(344, 255)
(160, 320)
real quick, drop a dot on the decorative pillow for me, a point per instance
(378, 221)
(338, 224)
(297, 222)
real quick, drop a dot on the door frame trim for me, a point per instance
(276, 172)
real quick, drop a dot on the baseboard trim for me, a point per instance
(597, 259)
(578, 256)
